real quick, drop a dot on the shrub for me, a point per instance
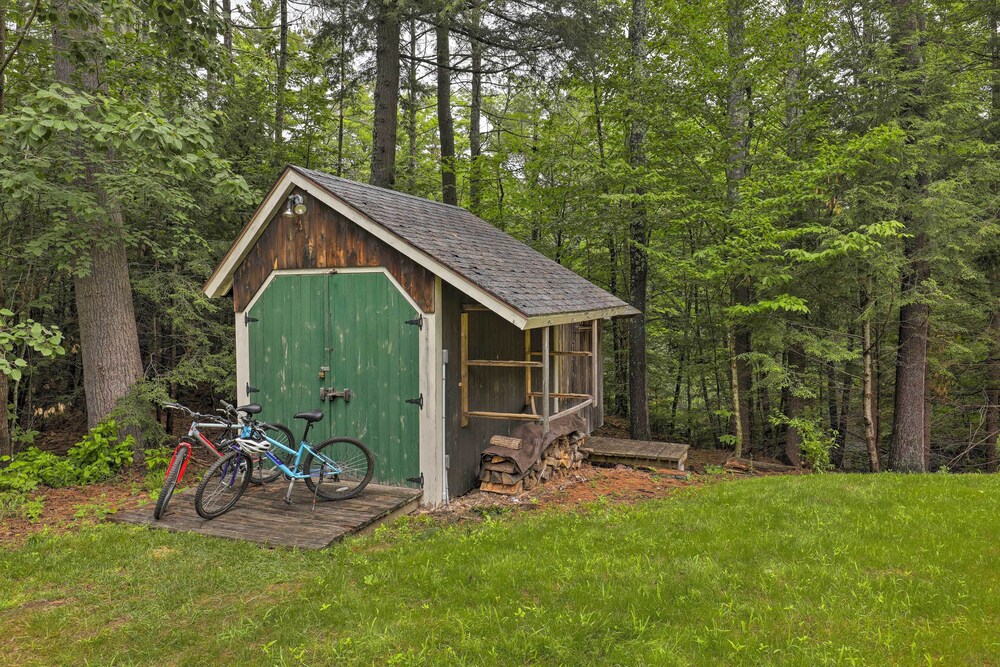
(95, 458)
(817, 442)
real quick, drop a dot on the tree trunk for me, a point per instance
(794, 404)
(109, 341)
(282, 75)
(3, 78)
(737, 399)
(928, 408)
(446, 126)
(227, 31)
(993, 397)
(908, 428)
(993, 352)
(846, 392)
(341, 88)
(867, 382)
(410, 110)
(383, 171)
(475, 137)
(638, 232)
(211, 87)
(6, 446)
(736, 171)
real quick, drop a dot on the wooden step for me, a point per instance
(637, 452)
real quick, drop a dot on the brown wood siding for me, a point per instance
(498, 389)
(324, 239)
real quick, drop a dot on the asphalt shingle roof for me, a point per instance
(496, 262)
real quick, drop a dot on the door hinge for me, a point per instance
(247, 319)
(418, 401)
(417, 321)
(417, 480)
(251, 390)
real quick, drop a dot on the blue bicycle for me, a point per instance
(336, 469)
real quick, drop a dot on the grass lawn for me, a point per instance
(836, 569)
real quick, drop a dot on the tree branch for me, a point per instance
(20, 37)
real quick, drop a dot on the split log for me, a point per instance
(506, 441)
(502, 488)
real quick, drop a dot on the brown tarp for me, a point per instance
(533, 442)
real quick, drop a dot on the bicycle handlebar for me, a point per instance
(195, 415)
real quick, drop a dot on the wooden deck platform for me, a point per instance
(636, 452)
(262, 515)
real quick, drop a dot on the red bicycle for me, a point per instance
(227, 422)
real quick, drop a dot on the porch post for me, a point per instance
(545, 380)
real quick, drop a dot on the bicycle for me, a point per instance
(336, 469)
(227, 422)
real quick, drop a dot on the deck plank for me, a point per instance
(631, 452)
(262, 515)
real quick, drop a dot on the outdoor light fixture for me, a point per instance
(296, 206)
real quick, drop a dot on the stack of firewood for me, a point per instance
(499, 474)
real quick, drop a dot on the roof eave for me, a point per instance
(554, 319)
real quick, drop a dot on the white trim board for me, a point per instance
(221, 280)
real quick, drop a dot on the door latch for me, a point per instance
(331, 394)
(323, 370)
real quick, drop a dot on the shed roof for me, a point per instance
(472, 251)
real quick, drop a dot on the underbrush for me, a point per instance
(94, 459)
(15, 505)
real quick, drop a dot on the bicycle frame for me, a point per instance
(194, 435)
(195, 432)
(299, 454)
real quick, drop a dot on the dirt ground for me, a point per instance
(70, 508)
(619, 484)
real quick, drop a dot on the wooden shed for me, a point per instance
(416, 326)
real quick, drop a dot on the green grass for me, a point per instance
(784, 570)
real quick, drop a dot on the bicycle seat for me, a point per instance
(250, 409)
(311, 416)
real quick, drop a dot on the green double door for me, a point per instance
(313, 337)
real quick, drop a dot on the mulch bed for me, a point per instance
(70, 508)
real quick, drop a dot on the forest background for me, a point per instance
(800, 196)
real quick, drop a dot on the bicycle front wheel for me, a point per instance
(264, 469)
(223, 484)
(340, 469)
(181, 454)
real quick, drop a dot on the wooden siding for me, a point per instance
(498, 389)
(324, 239)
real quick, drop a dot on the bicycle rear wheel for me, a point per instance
(341, 469)
(181, 455)
(264, 469)
(223, 484)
